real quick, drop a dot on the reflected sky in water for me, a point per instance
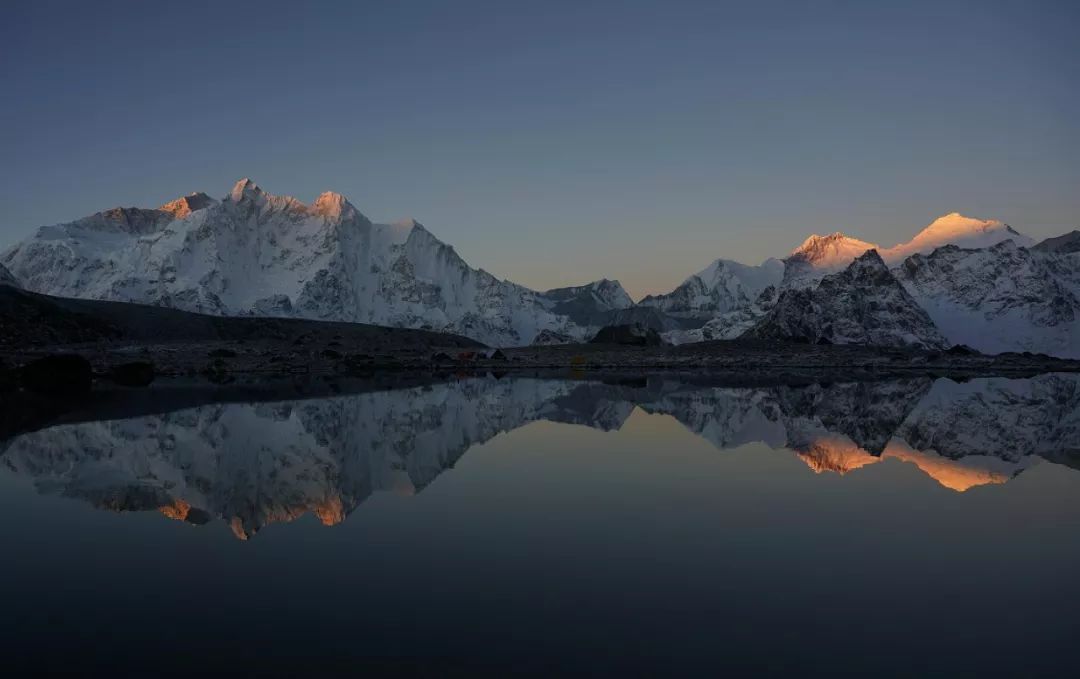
(542, 525)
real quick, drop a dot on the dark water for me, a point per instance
(541, 527)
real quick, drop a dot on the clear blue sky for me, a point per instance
(553, 143)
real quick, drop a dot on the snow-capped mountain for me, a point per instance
(256, 253)
(819, 256)
(721, 287)
(327, 456)
(1001, 293)
(956, 229)
(1001, 298)
(863, 304)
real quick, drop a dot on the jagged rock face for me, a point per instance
(868, 413)
(1062, 245)
(550, 337)
(648, 317)
(729, 325)
(6, 277)
(253, 252)
(251, 465)
(588, 305)
(628, 335)
(1002, 298)
(863, 304)
(723, 286)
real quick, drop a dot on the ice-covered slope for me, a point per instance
(721, 287)
(863, 304)
(256, 253)
(1001, 298)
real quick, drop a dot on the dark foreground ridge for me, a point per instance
(31, 320)
(134, 346)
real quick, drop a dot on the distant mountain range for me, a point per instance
(959, 280)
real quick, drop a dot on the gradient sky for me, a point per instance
(554, 143)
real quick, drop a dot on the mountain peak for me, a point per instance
(832, 250)
(333, 205)
(408, 223)
(869, 260)
(184, 206)
(956, 229)
(955, 223)
(245, 188)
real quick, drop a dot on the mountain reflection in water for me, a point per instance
(254, 464)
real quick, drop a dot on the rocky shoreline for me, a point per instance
(226, 361)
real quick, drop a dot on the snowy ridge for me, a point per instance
(587, 305)
(863, 304)
(721, 287)
(956, 229)
(1002, 298)
(256, 253)
(819, 256)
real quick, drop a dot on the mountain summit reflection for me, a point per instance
(251, 465)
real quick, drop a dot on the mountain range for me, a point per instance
(958, 281)
(326, 456)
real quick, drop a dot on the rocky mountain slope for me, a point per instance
(587, 305)
(721, 287)
(6, 278)
(1062, 245)
(863, 304)
(999, 293)
(1001, 298)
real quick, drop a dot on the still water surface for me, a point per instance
(545, 526)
